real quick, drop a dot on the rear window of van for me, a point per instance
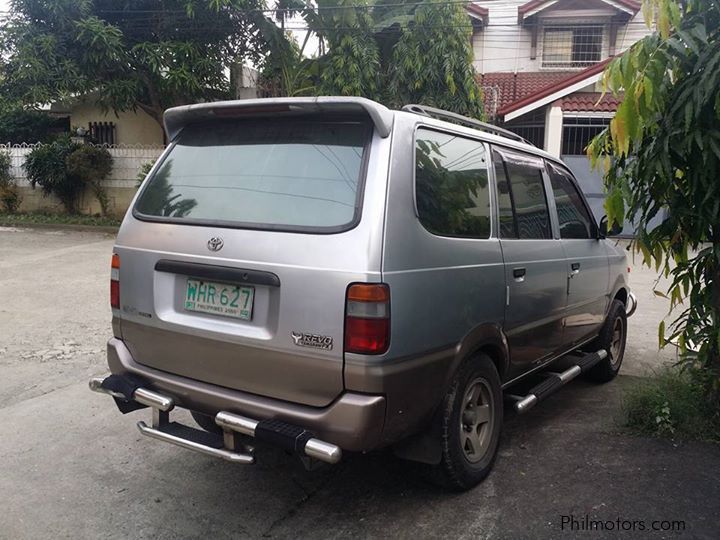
(281, 174)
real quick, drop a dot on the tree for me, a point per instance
(18, 126)
(662, 151)
(46, 166)
(128, 54)
(92, 164)
(351, 67)
(9, 195)
(389, 51)
(432, 61)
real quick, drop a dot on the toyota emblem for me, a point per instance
(215, 243)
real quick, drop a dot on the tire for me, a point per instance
(467, 459)
(612, 338)
(206, 422)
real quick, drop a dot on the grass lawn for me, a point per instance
(671, 404)
(57, 219)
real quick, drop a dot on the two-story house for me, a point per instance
(540, 64)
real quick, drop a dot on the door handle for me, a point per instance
(519, 274)
(574, 271)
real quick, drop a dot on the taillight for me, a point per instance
(367, 318)
(115, 282)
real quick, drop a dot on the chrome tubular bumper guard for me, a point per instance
(632, 305)
(232, 447)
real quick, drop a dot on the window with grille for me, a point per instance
(578, 132)
(530, 126)
(102, 132)
(572, 46)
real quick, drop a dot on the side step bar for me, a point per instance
(228, 446)
(555, 381)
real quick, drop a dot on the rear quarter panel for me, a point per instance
(618, 267)
(442, 289)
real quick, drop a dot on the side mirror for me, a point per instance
(613, 231)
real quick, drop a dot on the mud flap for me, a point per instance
(126, 385)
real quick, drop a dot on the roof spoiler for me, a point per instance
(178, 117)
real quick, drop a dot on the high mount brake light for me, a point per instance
(367, 318)
(232, 112)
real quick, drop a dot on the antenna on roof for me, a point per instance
(448, 116)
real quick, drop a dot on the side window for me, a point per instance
(451, 185)
(506, 216)
(527, 193)
(574, 219)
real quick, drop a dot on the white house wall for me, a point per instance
(633, 32)
(502, 45)
(505, 46)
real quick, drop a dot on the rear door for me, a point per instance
(237, 257)
(587, 260)
(534, 261)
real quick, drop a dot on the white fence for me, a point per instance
(127, 162)
(120, 186)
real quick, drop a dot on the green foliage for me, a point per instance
(671, 404)
(65, 168)
(418, 52)
(444, 196)
(18, 126)
(432, 62)
(9, 194)
(46, 166)
(128, 54)
(5, 164)
(662, 151)
(352, 65)
(92, 164)
(143, 172)
(287, 72)
(46, 218)
(159, 197)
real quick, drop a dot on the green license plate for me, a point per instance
(219, 299)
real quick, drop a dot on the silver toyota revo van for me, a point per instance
(328, 275)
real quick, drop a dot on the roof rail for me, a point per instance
(441, 114)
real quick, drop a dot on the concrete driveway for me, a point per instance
(72, 466)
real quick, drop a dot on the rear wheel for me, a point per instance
(612, 338)
(471, 421)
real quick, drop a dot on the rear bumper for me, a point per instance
(129, 392)
(353, 421)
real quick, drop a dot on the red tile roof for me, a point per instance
(588, 102)
(512, 87)
(557, 87)
(517, 90)
(535, 4)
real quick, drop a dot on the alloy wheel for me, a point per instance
(476, 420)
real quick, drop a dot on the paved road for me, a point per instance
(71, 466)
